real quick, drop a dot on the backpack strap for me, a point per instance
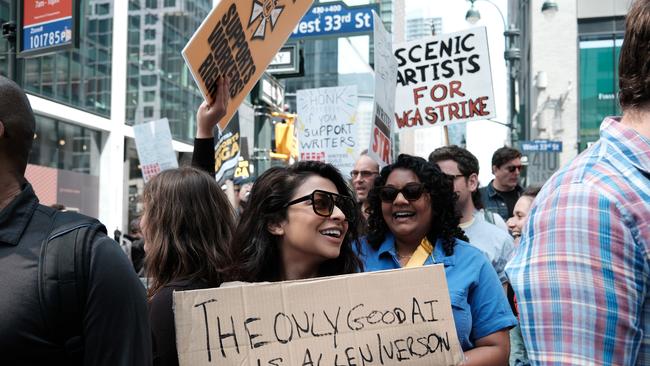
(63, 276)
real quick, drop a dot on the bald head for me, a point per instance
(16, 127)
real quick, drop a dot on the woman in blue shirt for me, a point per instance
(412, 222)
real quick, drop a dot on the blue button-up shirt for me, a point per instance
(479, 304)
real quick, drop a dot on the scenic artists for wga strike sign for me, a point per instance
(398, 317)
(46, 24)
(238, 40)
(444, 79)
(327, 127)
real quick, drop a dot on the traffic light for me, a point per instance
(286, 146)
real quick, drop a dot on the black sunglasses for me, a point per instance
(512, 168)
(323, 203)
(411, 191)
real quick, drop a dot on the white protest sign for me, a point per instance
(444, 79)
(398, 317)
(385, 71)
(327, 127)
(153, 141)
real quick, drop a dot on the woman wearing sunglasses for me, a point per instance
(301, 222)
(412, 222)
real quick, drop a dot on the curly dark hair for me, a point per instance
(444, 218)
(259, 256)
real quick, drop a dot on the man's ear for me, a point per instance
(472, 182)
(494, 169)
(275, 228)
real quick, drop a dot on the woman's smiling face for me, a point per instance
(408, 220)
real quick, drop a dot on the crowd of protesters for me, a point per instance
(559, 276)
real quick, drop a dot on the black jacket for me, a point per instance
(115, 323)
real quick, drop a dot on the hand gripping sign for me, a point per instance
(238, 40)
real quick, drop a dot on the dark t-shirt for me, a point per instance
(161, 317)
(510, 199)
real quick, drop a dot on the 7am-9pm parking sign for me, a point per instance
(47, 25)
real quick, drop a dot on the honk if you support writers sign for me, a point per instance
(238, 40)
(397, 317)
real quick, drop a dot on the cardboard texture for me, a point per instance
(238, 40)
(443, 80)
(397, 317)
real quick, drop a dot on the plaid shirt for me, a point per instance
(582, 271)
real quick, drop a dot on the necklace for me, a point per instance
(400, 257)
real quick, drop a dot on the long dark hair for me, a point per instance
(188, 227)
(259, 257)
(444, 219)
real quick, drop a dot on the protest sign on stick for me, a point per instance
(327, 128)
(153, 141)
(237, 40)
(444, 79)
(397, 317)
(381, 145)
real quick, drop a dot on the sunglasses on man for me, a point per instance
(512, 168)
(323, 202)
(363, 173)
(411, 192)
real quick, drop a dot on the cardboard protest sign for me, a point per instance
(378, 318)
(444, 79)
(227, 151)
(153, 141)
(238, 40)
(327, 128)
(380, 148)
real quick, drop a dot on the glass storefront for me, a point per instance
(598, 85)
(65, 146)
(78, 77)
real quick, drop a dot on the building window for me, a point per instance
(152, 4)
(148, 112)
(148, 80)
(102, 9)
(79, 77)
(149, 65)
(170, 3)
(149, 49)
(149, 34)
(150, 19)
(149, 95)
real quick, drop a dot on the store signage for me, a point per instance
(46, 25)
(335, 19)
(541, 146)
(286, 61)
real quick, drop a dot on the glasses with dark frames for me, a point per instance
(512, 168)
(411, 191)
(323, 202)
(363, 173)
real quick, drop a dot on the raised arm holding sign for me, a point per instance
(238, 40)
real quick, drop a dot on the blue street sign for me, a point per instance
(541, 146)
(335, 19)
